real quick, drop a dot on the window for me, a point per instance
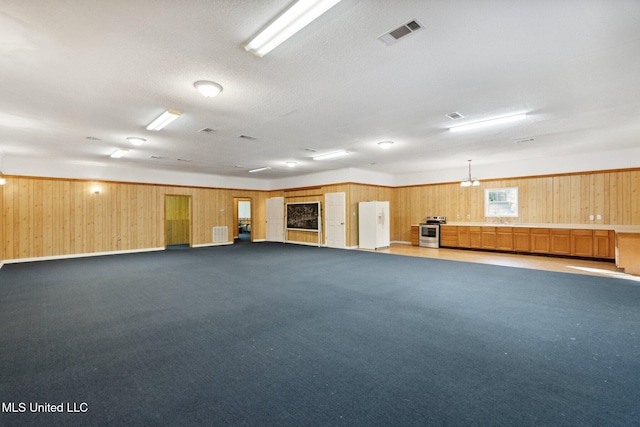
(501, 202)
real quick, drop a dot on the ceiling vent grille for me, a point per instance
(402, 31)
(250, 138)
(455, 115)
(207, 130)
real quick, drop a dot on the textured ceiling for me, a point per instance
(70, 70)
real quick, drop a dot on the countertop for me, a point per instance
(617, 228)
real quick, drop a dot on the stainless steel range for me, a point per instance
(430, 231)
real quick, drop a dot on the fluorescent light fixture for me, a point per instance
(163, 120)
(331, 155)
(135, 140)
(385, 144)
(207, 88)
(260, 169)
(119, 153)
(290, 22)
(485, 123)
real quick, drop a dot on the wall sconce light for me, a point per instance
(95, 189)
(3, 181)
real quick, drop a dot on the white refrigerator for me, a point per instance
(373, 225)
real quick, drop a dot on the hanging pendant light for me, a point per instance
(469, 181)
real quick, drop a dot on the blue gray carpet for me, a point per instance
(269, 334)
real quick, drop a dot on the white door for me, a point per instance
(335, 219)
(275, 219)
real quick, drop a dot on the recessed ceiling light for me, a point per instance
(135, 140)
(299, 15)
(207, 88)
(119, 153)
(260, 169)
(291, 164)
(492, 122)
(385, 144)
(332, 155)
(163, 120)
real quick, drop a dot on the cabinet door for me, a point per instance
(448, 236)
(540, 240)
(475, 237)
(522, 239)
(560, 241)
(464, 237)
(504, 238)
(603, 243)
(488, 238)
(582, 243)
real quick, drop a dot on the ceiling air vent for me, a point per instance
(207, 130)
(521, 141)
(250, 138)
(404, 30)
(455, 115)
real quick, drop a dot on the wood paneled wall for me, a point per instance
(355, 193)
(560, 199)
(51, 217)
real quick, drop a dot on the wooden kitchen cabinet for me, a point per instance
(463, 237)
(504, 238)
(475, 237)
(560, 239)
(540, 240)
(488, 239)
(415, 235)
(449, 236)
(582, 242)
(604, 243)
(521, 239)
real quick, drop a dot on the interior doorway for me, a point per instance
(177, 221)
(243, 215)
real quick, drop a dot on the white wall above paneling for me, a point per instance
(102, 171)
(482, 169)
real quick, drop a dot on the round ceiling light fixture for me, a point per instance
(385, 144)
(207, 88)
(136, 141)
(292, 164)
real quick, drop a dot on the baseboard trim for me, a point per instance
(400, 242)
(205, 245)
(85, 255)
(293, 242)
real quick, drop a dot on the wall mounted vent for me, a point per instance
(402, 31)
(455, 115)
(220, 234)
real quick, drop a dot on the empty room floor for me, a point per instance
(549, 263)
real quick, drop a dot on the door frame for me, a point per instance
(237, 199)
